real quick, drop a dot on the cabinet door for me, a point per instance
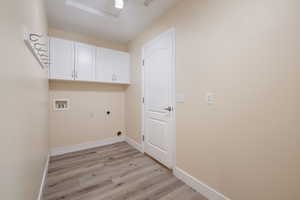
(61, 59)
(124, 67)
(100, 71)
(114, 66)
(84, 62)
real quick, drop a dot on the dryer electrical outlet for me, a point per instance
(107, 113)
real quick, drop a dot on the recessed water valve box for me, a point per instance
(61, 104)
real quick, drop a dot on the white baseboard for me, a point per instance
(199, 186)
(40, 196)
(88, 145)
(133, 143)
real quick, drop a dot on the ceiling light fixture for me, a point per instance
(92, 10)
(148, 2)
(119, 4)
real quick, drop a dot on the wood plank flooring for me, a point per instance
(113, 172)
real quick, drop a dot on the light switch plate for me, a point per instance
(210, 98)
(180, 98)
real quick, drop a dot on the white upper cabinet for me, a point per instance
(84, 62)
(112, 66)
(62, 59)
(100, 67)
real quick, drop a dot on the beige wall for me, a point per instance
(86, 120)
(24, 102)
(246, 145)
(89, 40)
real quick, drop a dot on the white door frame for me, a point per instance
(173, 124)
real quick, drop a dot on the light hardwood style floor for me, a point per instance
(113, 172)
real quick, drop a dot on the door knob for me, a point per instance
(170, 108)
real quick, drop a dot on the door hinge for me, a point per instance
(143, 137)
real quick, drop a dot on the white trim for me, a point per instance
(174, 99)
(136, 145)
(199, 186)
(173, 137)
(40, 196)
(88, 145)
(143, 96)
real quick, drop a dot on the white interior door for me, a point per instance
(159, 87)
(85, 56)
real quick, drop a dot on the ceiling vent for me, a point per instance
(96, 7)
(102, 7)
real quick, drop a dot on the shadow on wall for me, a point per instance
(85, 86)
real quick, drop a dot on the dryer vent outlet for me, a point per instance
(119, 133)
